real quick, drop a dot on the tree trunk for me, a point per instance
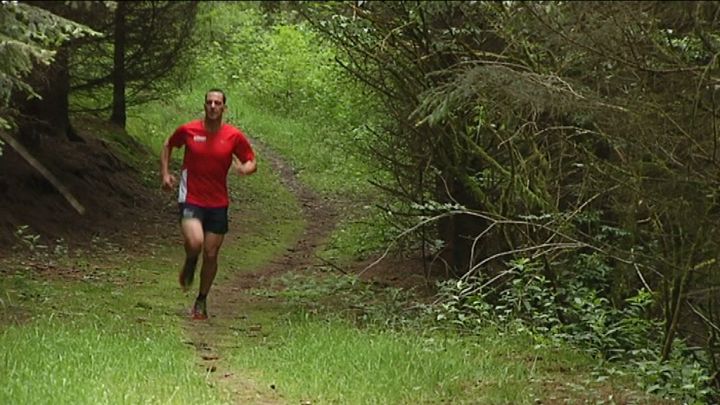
(119, 116)
(49, 115)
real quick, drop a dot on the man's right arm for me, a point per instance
(168, 180)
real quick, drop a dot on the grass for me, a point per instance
(317, 154)
(331, 361)
(110, 330)
(96, 339)
(76, 348)
(323, 159)
(99, 360)
(344, 341)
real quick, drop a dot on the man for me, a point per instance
(203, 200)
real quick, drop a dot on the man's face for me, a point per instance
(214, 106)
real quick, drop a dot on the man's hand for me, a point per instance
(168, 182)
(244, 169)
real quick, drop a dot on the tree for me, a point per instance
(29, 37)
(145, 43)
(119, 115)
(566, 127)
(403, 50)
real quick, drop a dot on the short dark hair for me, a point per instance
(215, 90)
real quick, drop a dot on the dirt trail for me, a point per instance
(230, 300)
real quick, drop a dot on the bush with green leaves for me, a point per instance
(572, 308)
(569, 298)
(680, 378)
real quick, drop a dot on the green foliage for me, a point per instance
(529, 293)
(157, 43)
(28, 36)
(280, 64)
(571, 309)
(546, 112)
(680, 378)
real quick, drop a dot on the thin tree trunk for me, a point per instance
(119, 116)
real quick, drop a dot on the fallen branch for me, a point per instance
(43, 171)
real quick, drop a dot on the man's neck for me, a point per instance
(212, 126)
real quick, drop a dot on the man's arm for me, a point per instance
(245, 169)
(168, 180)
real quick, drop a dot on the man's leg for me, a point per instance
(193, 236)
(213, 241)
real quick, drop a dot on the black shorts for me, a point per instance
(213, 220)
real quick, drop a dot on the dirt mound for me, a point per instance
(119, 208)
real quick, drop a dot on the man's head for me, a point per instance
(215, 104)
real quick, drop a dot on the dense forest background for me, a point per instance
(557, 161)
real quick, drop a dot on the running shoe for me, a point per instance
(199, 311)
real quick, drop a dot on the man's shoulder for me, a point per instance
(190, 126)
(232, 130)
(194, 124)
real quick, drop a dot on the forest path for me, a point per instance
(231, 303)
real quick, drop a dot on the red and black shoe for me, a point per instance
(199, 310)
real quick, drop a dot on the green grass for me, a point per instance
(322, 159)
(112, 331)
(98, 360)
(151, 124)
(345, 341)
(97, 339)
(334, 362)
(329, 360)
(317, 153)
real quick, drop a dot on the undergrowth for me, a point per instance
(622, 339)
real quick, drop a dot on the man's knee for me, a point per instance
(210, 253)
(212, 245)
(193, 247)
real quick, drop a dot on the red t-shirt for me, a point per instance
(208, 157)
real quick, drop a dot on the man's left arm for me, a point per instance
(244, 160)
(244, 169)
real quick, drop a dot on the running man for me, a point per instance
(211, 148)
